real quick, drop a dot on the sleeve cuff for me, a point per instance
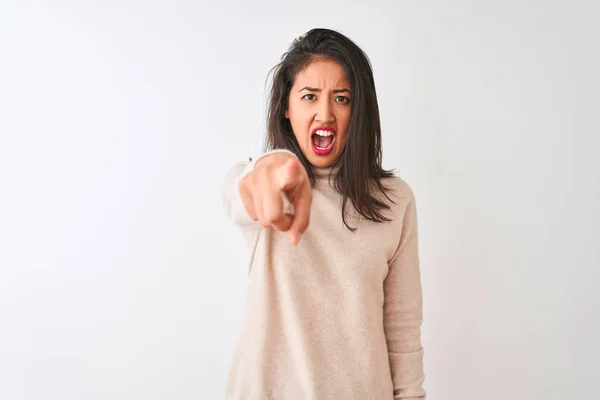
(250, 166)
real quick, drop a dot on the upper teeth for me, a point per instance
(323, 133)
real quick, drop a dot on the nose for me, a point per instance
(324, 112)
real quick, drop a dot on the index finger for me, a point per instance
(301, 202)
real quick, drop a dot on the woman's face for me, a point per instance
(319, 111)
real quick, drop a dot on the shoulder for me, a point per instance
(400, 190)
(400, 198)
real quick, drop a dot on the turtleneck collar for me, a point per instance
(325, 172)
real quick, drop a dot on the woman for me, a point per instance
(333, 308)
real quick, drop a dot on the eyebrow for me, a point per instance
(312, 89)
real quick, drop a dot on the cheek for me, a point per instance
(344, 121)
(300, 121)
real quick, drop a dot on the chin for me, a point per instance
(321, 161)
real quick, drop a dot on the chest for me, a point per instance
(337, 254)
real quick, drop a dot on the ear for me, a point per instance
(287, 116)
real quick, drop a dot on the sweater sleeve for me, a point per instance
(403, 311)
(232, 200)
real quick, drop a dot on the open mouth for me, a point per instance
(322, 141)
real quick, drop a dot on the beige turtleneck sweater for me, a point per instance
(339, 315)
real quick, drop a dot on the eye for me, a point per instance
(342, 99)
(309, 97)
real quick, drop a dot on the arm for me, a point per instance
(403, 312)
(232, 200)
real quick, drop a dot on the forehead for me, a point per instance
(322, 73)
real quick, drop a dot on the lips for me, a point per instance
(322, 140)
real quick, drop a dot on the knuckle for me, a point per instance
(273, 216)
(266, 170)
(264, 223)
(243, 183)
(295, 161)
(265, 176)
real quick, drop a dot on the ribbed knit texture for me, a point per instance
(339, 315)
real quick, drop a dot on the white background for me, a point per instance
(121, 278)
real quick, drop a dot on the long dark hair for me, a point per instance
(358, 169)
